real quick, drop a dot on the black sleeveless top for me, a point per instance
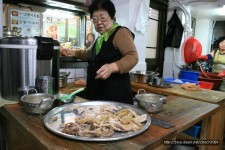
(115, 88)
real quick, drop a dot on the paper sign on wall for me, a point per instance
(26, 23)
(54, 27)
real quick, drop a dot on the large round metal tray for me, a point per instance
(66, 112)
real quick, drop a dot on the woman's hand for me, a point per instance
(206, 57)
(203, 57)
(67, 52)
(106, 70)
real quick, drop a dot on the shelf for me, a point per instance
(72, 62)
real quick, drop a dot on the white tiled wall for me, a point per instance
(75, 73)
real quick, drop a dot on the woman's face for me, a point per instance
(222, 47)
(90, 38)
(102, 21)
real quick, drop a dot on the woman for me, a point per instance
(110, 58)
(218, 58)
(90, 39)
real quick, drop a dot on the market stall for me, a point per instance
(34, 135)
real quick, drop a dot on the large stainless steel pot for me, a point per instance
(152, 103)
(23, 59)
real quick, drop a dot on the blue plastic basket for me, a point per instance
(193, 131)
(190, 75)
(173, 81)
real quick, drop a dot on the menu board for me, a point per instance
(26, 23)
(54, 27)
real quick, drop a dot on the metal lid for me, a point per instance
(9, 33)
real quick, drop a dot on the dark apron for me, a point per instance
(115, 88)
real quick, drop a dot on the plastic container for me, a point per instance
(206, 85)
(190, 75)
(179, 81)
(193, 131)
(214, 78)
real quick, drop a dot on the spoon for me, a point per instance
(69, 96)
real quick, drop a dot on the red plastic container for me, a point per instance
(206, 85)
(214, 78)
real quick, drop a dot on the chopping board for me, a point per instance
(176, 108)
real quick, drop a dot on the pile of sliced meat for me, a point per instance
(103, 121)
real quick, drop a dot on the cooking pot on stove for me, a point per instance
(152, 103)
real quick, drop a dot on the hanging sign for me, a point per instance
(26, 23)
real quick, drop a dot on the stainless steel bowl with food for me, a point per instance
(38, 103)
(152, 103)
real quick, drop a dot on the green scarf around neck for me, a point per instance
(104, 37)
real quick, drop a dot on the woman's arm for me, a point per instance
(124, 42)
(208, 56)
(78, 53)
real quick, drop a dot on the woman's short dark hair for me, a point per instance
(91, 34)
(106, 5)
(221, 39)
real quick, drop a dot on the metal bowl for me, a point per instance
(38, 103)
(152, 103)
